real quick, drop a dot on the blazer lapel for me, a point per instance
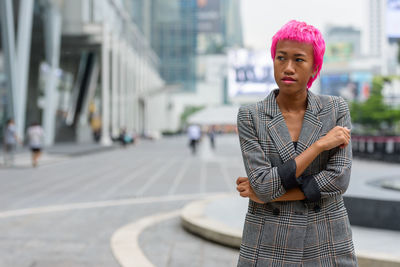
(277, 128)
(312, 126)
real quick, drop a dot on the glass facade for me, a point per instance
(174, 38)
(179, 30)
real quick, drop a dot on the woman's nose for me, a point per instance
(289, 67)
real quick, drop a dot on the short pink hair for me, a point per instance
(302, 32)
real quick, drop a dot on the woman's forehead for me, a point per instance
(294, 46)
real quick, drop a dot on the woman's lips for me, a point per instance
(288, 80)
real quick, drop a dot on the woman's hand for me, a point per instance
(338, 136)
(245, 190)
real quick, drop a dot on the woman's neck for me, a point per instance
(293, 102)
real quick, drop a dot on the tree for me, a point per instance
(189, 110)
(374, 114)
(398, 51)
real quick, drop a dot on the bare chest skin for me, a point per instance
(294, 121)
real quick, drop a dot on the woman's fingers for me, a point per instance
(241, 180)
(240, 188)
(243, 186)
(347, 133)
(244, 193)
(338, 136)
(244, 189)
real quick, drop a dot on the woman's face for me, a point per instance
(293, 65)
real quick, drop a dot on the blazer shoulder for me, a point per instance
(250, 108)
(331, 103)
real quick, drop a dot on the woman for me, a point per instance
(10, 141)
(35, 136)
(297, 154)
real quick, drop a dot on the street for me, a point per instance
(65, 212)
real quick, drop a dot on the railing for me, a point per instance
(385, 148)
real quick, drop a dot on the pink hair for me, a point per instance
(302, 32)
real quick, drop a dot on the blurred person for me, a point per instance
(194, 134)
(35, 136)
(211, 134)
(297, 154)
(95, 124)
(124, 137)
(9, 142)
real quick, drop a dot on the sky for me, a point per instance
(262, 18)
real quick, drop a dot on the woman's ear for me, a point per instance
(314, 73)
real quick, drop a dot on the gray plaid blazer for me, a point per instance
(295, 233)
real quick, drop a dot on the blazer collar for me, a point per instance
(279, 132)
(271, 107)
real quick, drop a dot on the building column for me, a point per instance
(8, 43)
(129, 94)
(23, 55)
(122, 85)
(105, 87)
(128, 90)
(141, 102)
(145, 97)
(136, 97)
(52, 50)
(114, 87)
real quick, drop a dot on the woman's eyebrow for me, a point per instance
(296, 55)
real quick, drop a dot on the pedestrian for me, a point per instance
(95, 124)
(297, 154)
(211, 135)
(124, 137)
(35, 136)
(10, 142)
(194, 134)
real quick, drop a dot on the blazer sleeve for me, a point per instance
(334, 180)
(264, 179)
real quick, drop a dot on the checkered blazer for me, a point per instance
(295, 233)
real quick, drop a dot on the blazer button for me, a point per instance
(317, 208)
(276, 211)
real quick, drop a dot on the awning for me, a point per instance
(221, 115)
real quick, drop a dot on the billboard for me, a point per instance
(250, 73)
(351, 86)
(393, 19)
(339, 52)
(208, 16)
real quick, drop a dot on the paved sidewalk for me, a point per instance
(65, 213)
(374, 247)
(55, 153)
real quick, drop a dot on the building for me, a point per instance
(88, 61)
(180, 30)
(384, 33)
(190, 37)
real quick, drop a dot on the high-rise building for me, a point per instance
(343, 43)
(179, 30)
(376, 27)
(383, 32)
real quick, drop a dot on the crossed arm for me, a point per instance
(338, 136)
(265, 184)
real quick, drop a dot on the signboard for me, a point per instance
(208, 16)
(393, 19)
(351, 86)
(338, 52)
(250, 73)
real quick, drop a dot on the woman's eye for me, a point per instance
(280, 58)
(299, 59)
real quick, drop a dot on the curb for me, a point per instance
(125, 241)
(194, 220)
